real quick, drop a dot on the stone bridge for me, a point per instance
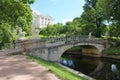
(52, 48)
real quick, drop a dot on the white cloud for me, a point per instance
(66, 20)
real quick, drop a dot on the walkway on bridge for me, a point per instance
(18, 67)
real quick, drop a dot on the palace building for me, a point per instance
(41, 20)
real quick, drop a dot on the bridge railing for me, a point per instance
(64, 38)
(8, 46)
(78, 37)
(43, 41)
(12, 45)
(73, 39)
(53, 39)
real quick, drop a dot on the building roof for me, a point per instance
(42, 15)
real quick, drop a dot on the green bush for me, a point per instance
(6, 35)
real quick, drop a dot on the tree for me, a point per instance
(6, 35)
(93, 14)
(27, 1)
(114, 9)
(15, 13)
(11, 10)
(73, 28)
(110, 8)
(53, 30)
(59, 29)
(89, 4)
(88, 22)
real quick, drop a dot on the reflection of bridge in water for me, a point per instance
(52, 48)
(98, 68)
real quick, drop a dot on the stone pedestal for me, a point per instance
(21, 34)
(35, 34)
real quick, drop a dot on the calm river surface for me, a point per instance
(98, 68)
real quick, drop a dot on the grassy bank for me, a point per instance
(112, 51)
(115, 49)
(61, 72)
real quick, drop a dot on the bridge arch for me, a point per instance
(53, 51)
(85, 45)
(61, 49)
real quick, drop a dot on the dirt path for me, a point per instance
(19, 68)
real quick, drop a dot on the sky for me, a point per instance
(61, 10)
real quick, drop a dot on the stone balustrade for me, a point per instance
(72, 39)
(29, 44)
(52, 48)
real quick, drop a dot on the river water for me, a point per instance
(98, 68)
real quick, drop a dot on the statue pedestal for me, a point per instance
(35, 34)
(21, 34)
(35, 37)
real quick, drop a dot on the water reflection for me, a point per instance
(100, 69)
(115, 71)
(68, 62)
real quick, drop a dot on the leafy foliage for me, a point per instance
(14, 14)
(110, 9)
(52, 30)
(5, 34)
(98, 17)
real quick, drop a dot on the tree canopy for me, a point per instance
(98, 17)
(14, 14)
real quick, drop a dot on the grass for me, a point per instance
(112, 51)
(28, 37)
(58, 70)
(40, 36)
(115, 49)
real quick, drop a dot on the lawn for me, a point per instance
(58, 70)
(112, 51)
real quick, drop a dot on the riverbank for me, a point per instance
(58, 70)
(77, 72)
(113, 53)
